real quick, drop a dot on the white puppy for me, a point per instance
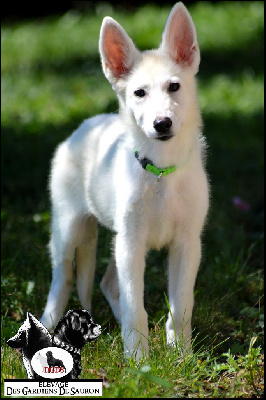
(141, 174)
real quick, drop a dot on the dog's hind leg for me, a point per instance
(69, 222)
(110, 288)
(86, 260)
(66, 235)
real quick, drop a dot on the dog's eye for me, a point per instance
(174, 87)
(140, 93)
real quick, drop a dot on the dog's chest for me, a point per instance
(159, 206)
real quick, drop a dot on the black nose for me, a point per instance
(162, 125)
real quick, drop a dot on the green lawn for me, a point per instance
(51, 81)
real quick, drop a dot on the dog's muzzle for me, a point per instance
(162, 126)
(96, 331)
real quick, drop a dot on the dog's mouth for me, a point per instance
(164, 138)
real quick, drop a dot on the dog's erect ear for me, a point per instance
(19, 340)
(31, 319)
(179, 39)
(117, 50)
(75, 320)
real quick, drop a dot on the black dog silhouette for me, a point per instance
(54, 362)
(72, 332)
(31, 337)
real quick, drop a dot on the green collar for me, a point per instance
(148, 166)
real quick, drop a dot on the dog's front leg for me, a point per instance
(130, 261)
(184, 259)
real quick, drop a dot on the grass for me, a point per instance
(51, 81)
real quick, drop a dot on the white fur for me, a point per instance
(95, 176)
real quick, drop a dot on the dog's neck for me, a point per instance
(149, 166)
(175, 152)
(66, 346)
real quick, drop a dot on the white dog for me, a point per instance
(141, 174)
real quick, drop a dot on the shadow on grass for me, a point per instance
(246, 55)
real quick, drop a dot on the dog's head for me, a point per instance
(157, 86)
(77, 328)
(31, 334)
